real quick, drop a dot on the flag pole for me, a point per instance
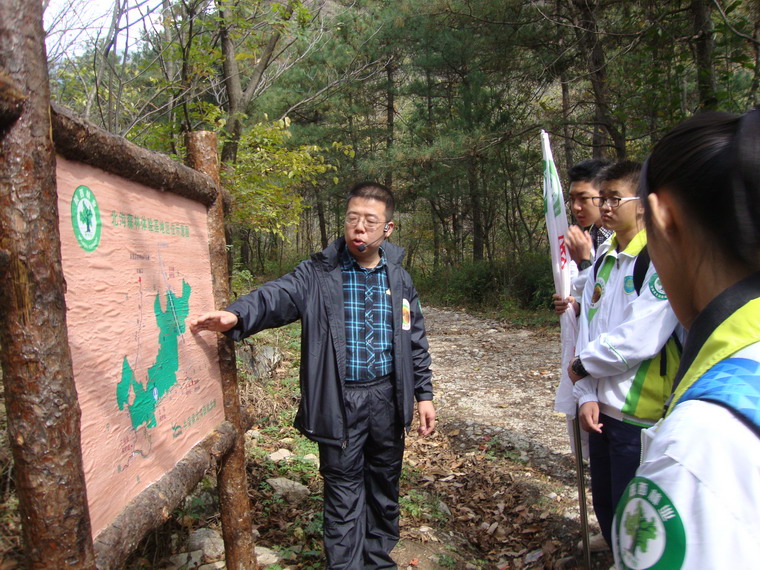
(556, 225)
(580, 481)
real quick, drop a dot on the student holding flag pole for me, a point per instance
(582, 240)
(556, 225)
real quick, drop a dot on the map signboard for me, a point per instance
(136, 263)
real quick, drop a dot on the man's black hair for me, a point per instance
(586, 170)
(376, 191)
(626, 170)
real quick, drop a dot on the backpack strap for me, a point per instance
(597, 265)
(640, 267)
(733, 383)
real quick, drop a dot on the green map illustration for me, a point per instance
(162, 375)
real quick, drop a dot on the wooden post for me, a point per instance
(235, 507)
(40, 395)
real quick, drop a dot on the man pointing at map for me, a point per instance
(364, 362)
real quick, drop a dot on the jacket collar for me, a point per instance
(331, 255)
(632, 249)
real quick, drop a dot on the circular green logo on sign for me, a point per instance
(648, 532)
(85, 218)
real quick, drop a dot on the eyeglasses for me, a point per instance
(370, 222)
(570, 200)
(613, 203)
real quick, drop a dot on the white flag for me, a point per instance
(556, 225)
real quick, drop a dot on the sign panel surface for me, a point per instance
(136, 263)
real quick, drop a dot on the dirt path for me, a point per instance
(495, 380)
(494, 392)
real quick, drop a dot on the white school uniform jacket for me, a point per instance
(695, 500)
(621, 336)
(564, 401)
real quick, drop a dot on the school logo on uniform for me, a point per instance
(628, 285)
(655, 286)
(648, 531)
(85, 218)
(598, 292)
(406, 316)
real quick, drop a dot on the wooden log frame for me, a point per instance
(40, 395)
(43, 412)
(234, 503)
(153, 506)
(79, 140)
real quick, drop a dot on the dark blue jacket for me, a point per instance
(313, 293)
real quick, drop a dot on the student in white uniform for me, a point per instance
(626, 355)
(695, 500)
(583, 240)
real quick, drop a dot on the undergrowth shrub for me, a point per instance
(526, 283)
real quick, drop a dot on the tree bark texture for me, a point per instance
(704, 43)
(40, 396)
(390, 115)
(591, 42)
(239, 98)
(79, 140)
(11, 101)
(235, 508)
(153, 506)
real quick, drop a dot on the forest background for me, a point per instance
(442, 100)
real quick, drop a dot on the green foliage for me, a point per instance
(442, 99)
(530, 281)
(267, 177)
(420, 505)
(526, 283)
(447, 561)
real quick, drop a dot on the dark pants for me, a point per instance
(614, 456)
(361, 509)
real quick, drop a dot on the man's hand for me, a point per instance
(579, 244)
(588, 416)
(426, 411)
(561, 305)
(217, 321)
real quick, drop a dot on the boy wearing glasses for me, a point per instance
(626, 354)
(582, 241)
(585, 238)
(364, 362)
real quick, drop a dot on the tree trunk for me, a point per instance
(235, 506)
(704, 44)
(752, 99)
(566, 120)
(476, 205)
(590, 41)
(101, 63)
(390, 113)
(40, 395)
(239, 99)
(11, 101)
(322, 223)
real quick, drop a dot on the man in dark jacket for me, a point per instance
(364, 362)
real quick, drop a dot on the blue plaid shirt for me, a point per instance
(369, 319)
